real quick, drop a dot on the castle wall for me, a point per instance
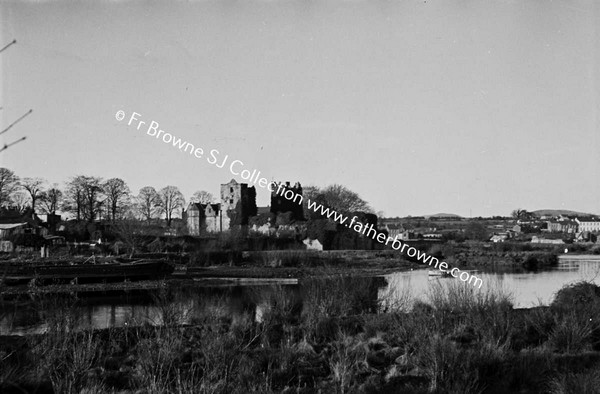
(280, 204)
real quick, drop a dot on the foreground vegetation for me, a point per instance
(334, 337)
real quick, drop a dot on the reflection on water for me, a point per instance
(186, 307)
(193, 304)
(527, 288)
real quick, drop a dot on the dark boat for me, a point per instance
(12, 274)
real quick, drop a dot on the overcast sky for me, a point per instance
(466, 107)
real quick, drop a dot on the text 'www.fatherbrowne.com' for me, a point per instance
(236, 167)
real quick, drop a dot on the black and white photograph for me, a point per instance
(300, 196)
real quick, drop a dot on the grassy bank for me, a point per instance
(466, 254)
(337, 339)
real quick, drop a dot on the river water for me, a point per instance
(527, 289)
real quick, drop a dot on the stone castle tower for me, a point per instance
(238, 203)
(280, 204)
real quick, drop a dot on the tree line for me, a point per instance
(90, 198)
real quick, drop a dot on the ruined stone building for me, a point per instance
(281, 204)
(204, 218)
(238, 204)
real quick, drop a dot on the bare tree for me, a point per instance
(75, 198)
(148, 202)
(51, 199)
(117, 194)
(35, 188)
(202, 197)
(9, 183)
(83, 196)
(522, 214)
(20, 200)
(171, 201)
(131, 233)
(344, 200)
(92, 189)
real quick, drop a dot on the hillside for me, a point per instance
(557, 212)
(443, 216)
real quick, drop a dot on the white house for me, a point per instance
(588, 224)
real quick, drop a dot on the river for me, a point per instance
(527, 289)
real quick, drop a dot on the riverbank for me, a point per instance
(579, 257)
(336, 340)
(285, 265)
(464, 255)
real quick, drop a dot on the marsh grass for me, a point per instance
(324, 300)
(174, 307)
(348, 354)
(396, 297)
(571, 334)
(296, 258)
(65, 355)
(331, 337)
(576, 383)
(286, 258)
(158, 359)
(487, 311)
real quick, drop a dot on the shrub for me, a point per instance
(528, 370)
(66, 356)
(452, 369)
(348, 355)
(580, 293)
(570, 335)
(487, 310)
(578, 383)
(334, 297)
(538, 323)
(538, 260)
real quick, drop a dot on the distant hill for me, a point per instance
(443, 215)
(558, 212)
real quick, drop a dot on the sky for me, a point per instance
(467, 107)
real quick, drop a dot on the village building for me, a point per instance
(14, 221)
(588, 224)
(313, 244)
(500, 237)
(562, 226)
(408, 235)
(394, 230)
(434, 236)
(540, 240)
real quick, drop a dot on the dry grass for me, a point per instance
(458, 341)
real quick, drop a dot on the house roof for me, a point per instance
(588, 220)
(566, 222)
(215, 207)
(13, 216)
(8, 226)
(195, 205)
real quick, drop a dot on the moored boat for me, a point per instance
(439, 273)
(12, 274)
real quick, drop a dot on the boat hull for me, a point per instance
(439, 273)
(85, 273)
